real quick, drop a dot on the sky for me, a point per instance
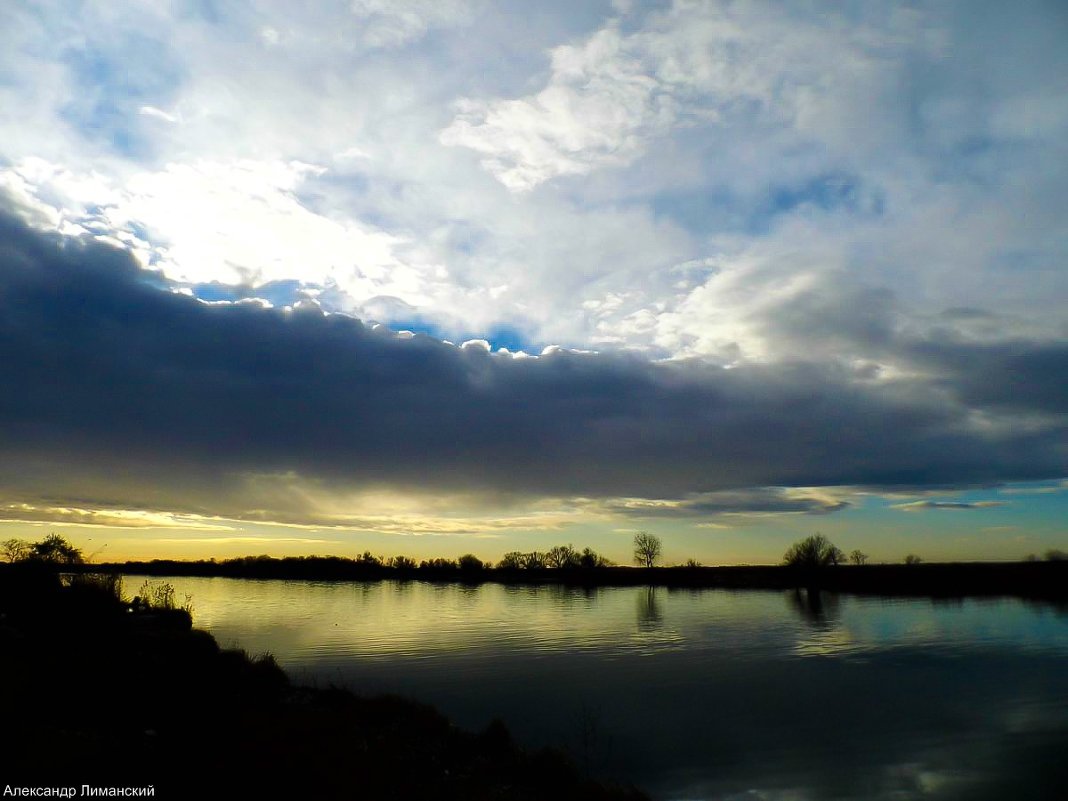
(431, 277)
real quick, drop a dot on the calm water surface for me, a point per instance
(696, 694)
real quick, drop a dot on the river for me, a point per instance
(703, 694)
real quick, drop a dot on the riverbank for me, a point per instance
(102, 692)
(1038, 580)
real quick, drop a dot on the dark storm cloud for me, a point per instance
(110, 379)
(1012, 375)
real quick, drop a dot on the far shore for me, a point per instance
(1046, 580)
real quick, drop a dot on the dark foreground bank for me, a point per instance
(102, 693)
(1037, 580)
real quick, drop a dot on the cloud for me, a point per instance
(751, 501)
(645, 76)
(242, 540)
(857, 212)
(391, 23)
(920, 506)
(833, 179)
(160, 114)
(126, 391)
(107, 518)
(1048, 489)
(598, 110)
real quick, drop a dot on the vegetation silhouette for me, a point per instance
(165, 706)
(811, 563)
(813, 553)
(647, 548)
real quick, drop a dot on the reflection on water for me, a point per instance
(649, 615)
(819, 609)
(697, 694)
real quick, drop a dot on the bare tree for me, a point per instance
(858, 557)
(647, 548)
(912, 559)
(562, 556)
(15, 550)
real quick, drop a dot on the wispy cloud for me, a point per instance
(920, 506)
(1046, 489)
(243, 540)
(109, 518)
(754, 501)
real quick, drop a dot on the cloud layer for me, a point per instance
(119, 382)
(782, 248)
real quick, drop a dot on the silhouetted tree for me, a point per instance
(647, 548)
(368, 559)
(534, 560)
(591, 559)
(912, 559)
(402, 563)
(692, 563)
(437, 564)
(57, 550)
(562, 556)
(513, 560)
(470, 563)
(1056, 555)
(15, 550)
(813, 552)
(858, 557)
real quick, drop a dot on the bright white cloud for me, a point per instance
(710, 179)
(707, 65)
(237, 223)
(599, 109)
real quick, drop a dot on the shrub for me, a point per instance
(161, 596)
(100, 584)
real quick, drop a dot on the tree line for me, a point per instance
(811, 552)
